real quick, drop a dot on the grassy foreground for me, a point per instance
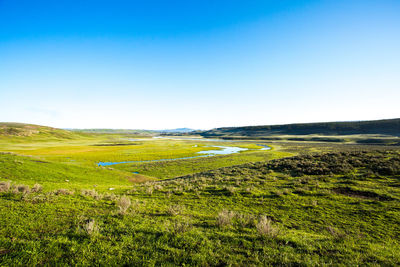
(339, 208)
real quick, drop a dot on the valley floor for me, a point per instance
(297, 204)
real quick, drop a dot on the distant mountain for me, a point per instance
(115, 131)
(133, 131)
(385, 127)
(177, 130)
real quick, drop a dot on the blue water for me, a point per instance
(143, 161)
(265, 147)
(225, 150)
(195, 139)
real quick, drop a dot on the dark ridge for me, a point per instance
(381, 127)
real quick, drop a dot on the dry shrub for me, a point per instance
(149, 190)
(180, 226)
(132, 191)
(63, 191)
(158, 187)
(123, 204)
(265, 228)
(5, 186)
(225, 217)
(24, 189)
(110, 196)
(37, 188)
(91, 193)
(91, 228)
(37, 198)
(174, 210)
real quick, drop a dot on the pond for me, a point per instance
(224, 150)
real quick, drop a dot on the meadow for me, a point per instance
(300, 203)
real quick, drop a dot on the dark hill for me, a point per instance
(384, 127)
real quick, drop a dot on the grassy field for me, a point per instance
(330, 204)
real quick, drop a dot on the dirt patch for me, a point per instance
(138, 178)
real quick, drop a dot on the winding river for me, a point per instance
(224, 150)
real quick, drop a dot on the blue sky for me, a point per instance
(199, 64)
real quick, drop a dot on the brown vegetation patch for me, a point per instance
(138, 178)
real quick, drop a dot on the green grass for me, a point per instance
(344, 216)
(53, 175)
(170, 169)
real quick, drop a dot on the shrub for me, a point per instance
(91, 193)
(180, 227)
(124, 203)
(158, 187)
(37, 188)
(149, 190)
(265, 228)
(110, 196)
(5, 186)
(90, 227)
(224, 218)
(63, 191)
(174, 210)
(24, 189)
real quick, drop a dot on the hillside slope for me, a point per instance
(15, 130)
(384, 127)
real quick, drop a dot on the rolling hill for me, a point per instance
(15, 130)
(380, 127)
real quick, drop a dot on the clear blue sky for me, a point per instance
(199, 64)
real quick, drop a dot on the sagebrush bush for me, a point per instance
(110, 196)
(63, 191)
(174, 210)
(158, 187)
(265, 227)
(123, 204)
(91, 193)
(225, 217)
(24, 189)
(5, 186)
(37, 188)
(90, 227)
(180, 226)
(149, 190)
